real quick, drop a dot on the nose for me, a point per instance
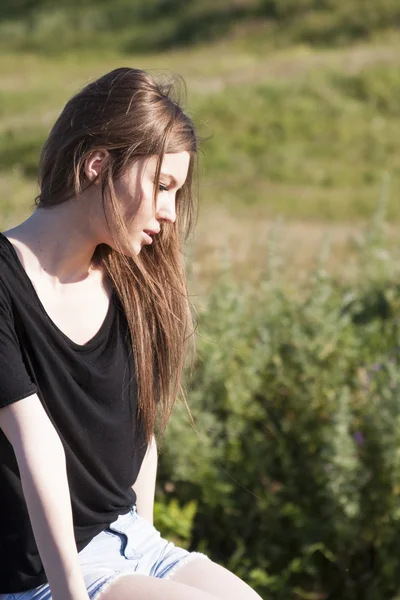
(166, 208)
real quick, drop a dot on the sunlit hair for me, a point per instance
(132, 115)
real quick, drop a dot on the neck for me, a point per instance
(58, 241)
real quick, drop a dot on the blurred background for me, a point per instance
(292, 478)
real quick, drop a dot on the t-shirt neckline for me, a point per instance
(90, 344)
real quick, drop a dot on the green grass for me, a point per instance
(130, 26)
(302, 133)
(321, 145)
(307, 133)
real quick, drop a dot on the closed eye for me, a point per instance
(162, 188)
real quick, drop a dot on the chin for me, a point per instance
(130, 251)
(137, 248)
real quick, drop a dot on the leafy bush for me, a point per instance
(175, 521)
(295, 467)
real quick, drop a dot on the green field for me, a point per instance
(292, 128)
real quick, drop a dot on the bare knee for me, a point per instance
(210, 577)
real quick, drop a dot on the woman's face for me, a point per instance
(136, 188)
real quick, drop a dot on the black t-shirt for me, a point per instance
(89, 393)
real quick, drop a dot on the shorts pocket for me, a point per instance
(126, 531)
(126, 548)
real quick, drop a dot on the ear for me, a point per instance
(94, 163)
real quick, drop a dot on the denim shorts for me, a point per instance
(130, 545)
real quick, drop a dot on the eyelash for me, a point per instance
(162, 188)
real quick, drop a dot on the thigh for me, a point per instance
(140, 587)
(209, 577)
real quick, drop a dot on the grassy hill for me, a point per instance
(294, 126)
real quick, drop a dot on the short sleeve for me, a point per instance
(15, 383)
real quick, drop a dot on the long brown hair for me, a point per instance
(132, 115)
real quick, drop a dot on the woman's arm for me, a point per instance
(145, 484)
(41, 462)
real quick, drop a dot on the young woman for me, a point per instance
(94, 326)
